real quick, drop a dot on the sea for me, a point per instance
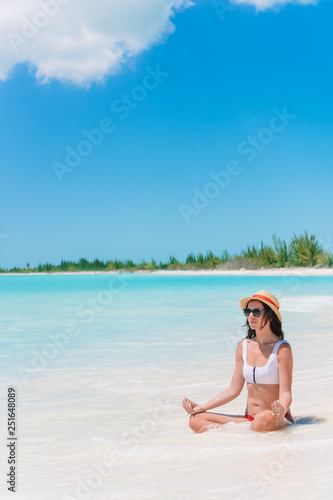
(99, 365)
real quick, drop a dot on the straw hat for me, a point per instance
(267, 298)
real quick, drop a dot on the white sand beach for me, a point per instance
(281, 271)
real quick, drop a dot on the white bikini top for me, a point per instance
(267, 374)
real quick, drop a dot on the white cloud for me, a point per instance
(81, 41)
(268, 4)
(84, 41)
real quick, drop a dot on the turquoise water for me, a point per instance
(129, 316)
(93, 356)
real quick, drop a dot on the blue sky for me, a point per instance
(194, 97)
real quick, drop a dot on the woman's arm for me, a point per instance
(285, 360)
(235, 388)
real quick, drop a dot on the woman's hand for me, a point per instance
(278, 411)
(191, 407)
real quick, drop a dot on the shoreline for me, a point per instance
(282, 271)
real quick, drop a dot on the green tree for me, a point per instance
(98, 264)
(200, 258)
(191, 259)
(162, 265)
(266, 255)
(211, 260)
(326, 259)
(83, 264)
(250, 252)
(173, 260)
(209, 256)
(281, 251)
(129, 264)
(118, 264)
(305, 250)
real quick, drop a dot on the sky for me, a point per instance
(162, 127)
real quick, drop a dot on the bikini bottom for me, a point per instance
(287, 415)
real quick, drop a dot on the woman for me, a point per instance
(263, 360)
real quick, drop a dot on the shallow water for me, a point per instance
(101, 364)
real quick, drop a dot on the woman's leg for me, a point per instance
(265, 421)
(202, 422)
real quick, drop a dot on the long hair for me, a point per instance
(276, 325)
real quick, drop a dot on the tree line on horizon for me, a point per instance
(303, 251)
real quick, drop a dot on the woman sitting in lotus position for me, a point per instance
(264, 361)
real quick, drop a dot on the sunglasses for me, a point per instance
(256, 312)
